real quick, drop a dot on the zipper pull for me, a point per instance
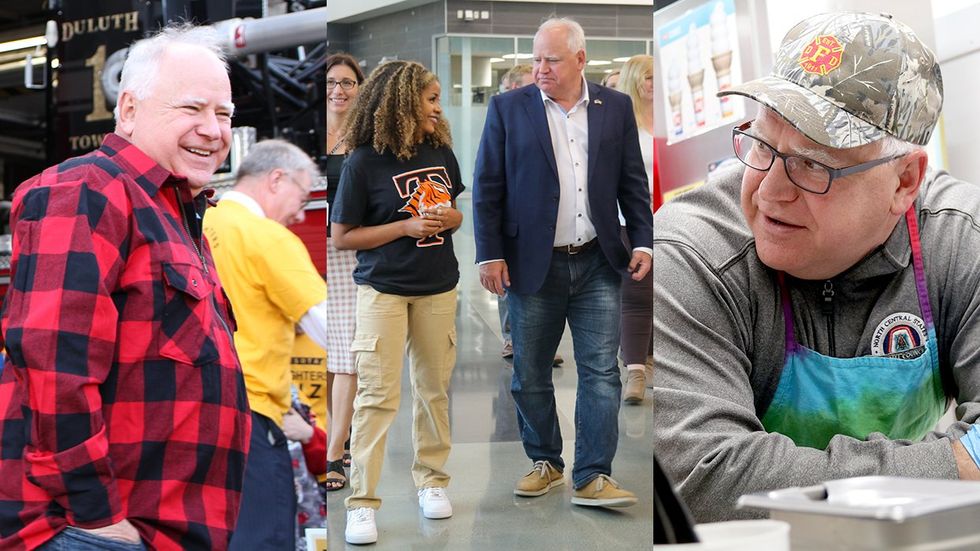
(827, 307)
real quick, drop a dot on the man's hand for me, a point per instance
(420, 227)
(640, 265)
(295, 427)
(120, 531)
(494, 277)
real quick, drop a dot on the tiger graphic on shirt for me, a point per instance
(424, 189)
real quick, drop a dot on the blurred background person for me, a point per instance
(344, 78)
(636, 339)
(273, 286)
(307, 450)
(611, 80)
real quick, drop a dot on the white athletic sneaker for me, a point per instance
(435, 503)
(361, 528)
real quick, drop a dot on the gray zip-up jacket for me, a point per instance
(719, 343)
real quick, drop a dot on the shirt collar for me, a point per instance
(244, 200)
(584, 98)
(144, 170)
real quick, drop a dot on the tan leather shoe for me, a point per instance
(636, 383)
(603, 491)
(542, 478)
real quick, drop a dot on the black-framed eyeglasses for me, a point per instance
(806, 174)
(346, 83)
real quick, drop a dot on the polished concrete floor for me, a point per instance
(487, 457)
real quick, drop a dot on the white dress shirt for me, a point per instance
(569, 132)
(570, 141)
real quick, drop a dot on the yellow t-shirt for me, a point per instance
(309, 363)
(271, 281)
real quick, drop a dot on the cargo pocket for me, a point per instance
(367, 360)
(450, 361)
(187, 315)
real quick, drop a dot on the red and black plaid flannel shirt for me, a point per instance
(122, 397)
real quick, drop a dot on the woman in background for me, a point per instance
(611, 79)
(636, 341)
(344, 78)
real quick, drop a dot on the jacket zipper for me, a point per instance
(204, 265)
(827, 307)
(183, 218)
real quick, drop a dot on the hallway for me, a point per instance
(487, 457)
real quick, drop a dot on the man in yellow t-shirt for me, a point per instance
(273, 286)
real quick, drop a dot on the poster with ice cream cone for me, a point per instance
(699, 56)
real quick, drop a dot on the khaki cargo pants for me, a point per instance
(387, 325)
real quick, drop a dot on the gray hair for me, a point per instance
(890, 145)
(576, 36)
(140, 70)
(887, 147)
(268, 155)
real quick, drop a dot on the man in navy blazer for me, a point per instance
(555, 160)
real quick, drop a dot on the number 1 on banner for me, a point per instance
(97, 62)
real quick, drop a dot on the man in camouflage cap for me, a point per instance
(814, 312)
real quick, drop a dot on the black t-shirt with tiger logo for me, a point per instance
(379, 189)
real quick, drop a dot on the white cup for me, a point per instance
(738, 535)
(316, 539)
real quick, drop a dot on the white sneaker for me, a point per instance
(361, 528)
(435, 503)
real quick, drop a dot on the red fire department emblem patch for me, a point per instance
(822, 55)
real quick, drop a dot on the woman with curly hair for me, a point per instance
(396, 206)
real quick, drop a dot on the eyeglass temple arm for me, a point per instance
(841, 172)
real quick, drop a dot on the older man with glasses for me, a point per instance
(274, 289)
(817, 308)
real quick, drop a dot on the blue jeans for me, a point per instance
(504, 318)
(585, 290)
(73, 539)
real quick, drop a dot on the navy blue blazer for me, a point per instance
(516, 190)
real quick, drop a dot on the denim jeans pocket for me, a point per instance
(80, 540)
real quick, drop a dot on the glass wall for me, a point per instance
(470, 69)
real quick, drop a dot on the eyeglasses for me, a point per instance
(346, 84)
(306, 196)
(806, 174)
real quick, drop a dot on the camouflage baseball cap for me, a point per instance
(847, 79)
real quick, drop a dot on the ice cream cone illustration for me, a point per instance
(695, 74)
(721, 56)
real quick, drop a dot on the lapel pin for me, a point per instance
(597, 102)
